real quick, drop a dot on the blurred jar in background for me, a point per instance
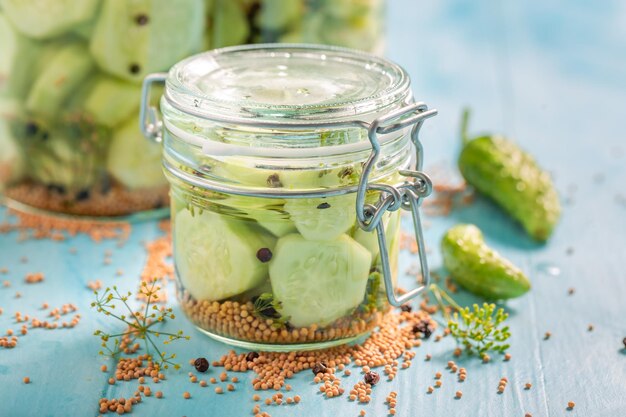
(357, 24)
(70, 87)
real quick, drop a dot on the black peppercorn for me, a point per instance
(82, 195)
(31, 128)
(424, 328)
(201, 364)
(273, 181)
(264, 255)
(406, 307)
(319, 367)
(141, 19)
(251, 356)
(371, 378)
(323, 206)
(134, 68)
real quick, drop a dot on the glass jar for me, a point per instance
(70, 75)
(288, 166)
(355, 24)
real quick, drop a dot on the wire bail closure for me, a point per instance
(407, 196)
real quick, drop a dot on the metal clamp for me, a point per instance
(149, 122)
(407, 196)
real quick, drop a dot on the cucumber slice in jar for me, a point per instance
(41, 19)
(17, 61)
(323, 219)
(318, 283)
(67, 69)
(133, 38)
(111, 101)
(216, 257)
(133, 160)
(11, 158)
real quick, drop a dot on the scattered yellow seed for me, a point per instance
(297, 399)
(103, 368)
(186, 395)
(528, 415)
(428, 356)
(438, 375)
(438, 384)
(203, 383)
(459, 394)
(230, 387)
(158, 394)
(571, 405)
(219, 390)
(26, 380)
(268, 401)
(256, 397)
(234, 379)
(362, 413)
(430, 390)
(507, 357)
(111, 381)
(486, 358)
(528, 385)
(547, 336)
(590, 328)
(213, 381)
(392, 411)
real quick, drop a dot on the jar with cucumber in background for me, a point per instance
(70, 86)
(287, 181)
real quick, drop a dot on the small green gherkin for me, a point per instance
(502, 171)
(478, 268)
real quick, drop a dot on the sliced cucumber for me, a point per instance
(111, 101)
(322, 218)
(230, 25)
(318, 283)
(277, 222)
(134, 160)
(11, 156)
(276, 15)
(133, 38)
(42, 19)
(58, 80)
(68, 157)
(216, 258)
(17, 61)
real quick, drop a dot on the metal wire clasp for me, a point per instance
(149, 121)
(407, 196)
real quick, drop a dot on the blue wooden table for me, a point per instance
(552, 75)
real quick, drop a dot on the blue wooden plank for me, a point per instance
(550, 74)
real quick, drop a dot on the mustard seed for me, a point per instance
(392, 411)
(219, 390)
(428, 357)
(486, 358)
(438, 375)
(430, 390)
(590, 329)
(528, 415)
(507, 357)
(256, 397)
(203, 383)
(297, 399)
(528, 386)
(547, 336)
(186, 395)
(213, 380)
(362, 413)
(438, 384)
(26, 380)
(103, 368)
(571, 405)
(111, 381)
(459, 394)
(268, 401)
(230, 387)
(158, 394)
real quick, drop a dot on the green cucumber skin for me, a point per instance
(502, 171)
(478, 268)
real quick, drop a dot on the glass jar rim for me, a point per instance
(370, 84)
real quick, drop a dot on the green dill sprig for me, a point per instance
(266, 307)
(140, 324)
(477, 329)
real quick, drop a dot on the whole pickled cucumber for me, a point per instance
(502, 171)
(478, 268)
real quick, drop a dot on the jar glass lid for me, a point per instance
(286, 83)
